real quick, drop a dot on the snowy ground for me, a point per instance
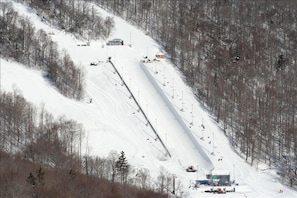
(112, 121)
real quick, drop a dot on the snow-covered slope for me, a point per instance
(113, 121)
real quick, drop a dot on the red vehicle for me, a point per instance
(220, 191)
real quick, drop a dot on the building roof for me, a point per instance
(160, 53)
(117, 40)
(220, 172)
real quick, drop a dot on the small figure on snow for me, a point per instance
(90, 100)
(202, 126)
(191, 169)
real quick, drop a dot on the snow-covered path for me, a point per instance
(112, 122)
(173, 132)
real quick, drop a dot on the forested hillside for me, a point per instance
(40, 155)
(21, 41)
(240, 59)
(237, 55)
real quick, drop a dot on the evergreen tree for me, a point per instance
(122, 167)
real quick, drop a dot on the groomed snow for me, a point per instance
(112, 121)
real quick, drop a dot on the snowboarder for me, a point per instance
(90, 100)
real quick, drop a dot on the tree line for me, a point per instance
(79, 18)
(41, 156)
(239, 58)
(21, 42)
(22, 178)
(35, 133)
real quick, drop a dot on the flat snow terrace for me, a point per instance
(177, 137)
